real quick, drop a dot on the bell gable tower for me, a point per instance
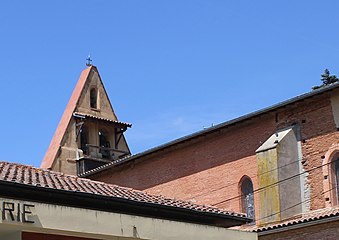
(89, 134)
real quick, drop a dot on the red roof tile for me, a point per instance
(306, 217)
(23, 174)
(54, 146)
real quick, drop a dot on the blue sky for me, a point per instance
(170, 67)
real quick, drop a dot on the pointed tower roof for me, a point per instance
(80, 106)
(54, 146)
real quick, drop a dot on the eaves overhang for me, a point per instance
(90, 116)
(296, 225)
(116, 204)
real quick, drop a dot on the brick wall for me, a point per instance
(208, 169)
(318, 132)
(205, 170)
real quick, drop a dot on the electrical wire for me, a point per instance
(275, 183)
(236, 183)
(293, 206)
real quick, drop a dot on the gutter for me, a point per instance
(116, 204)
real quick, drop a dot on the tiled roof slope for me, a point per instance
(23, 174)
(305, 218)
(53, 148)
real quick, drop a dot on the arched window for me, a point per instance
(93, 98)
(335, 179)
(247, 196)
(331, 176)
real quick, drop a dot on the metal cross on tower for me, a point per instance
(89, 60)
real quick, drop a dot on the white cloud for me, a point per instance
(165, 127)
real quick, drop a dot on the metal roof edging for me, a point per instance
(217, 127)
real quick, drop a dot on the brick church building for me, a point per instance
(279, 165)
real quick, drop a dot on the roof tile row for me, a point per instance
(23, 174)
(298, 219)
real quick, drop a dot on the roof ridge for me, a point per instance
(216, 127)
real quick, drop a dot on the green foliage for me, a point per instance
(316, 87)
(327, 79)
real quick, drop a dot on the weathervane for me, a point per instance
(89, 60)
